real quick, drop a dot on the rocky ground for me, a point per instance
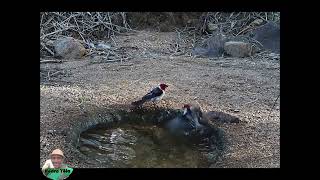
(244, 87)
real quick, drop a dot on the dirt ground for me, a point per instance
(244, 87)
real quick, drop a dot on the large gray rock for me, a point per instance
(269, 36)
(69, 48)
(238, 48)
(211, 47)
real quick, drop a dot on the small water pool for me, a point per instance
(148, 146)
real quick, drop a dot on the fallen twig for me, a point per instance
(234, 24)
(55, 73)
(45, 47)
(273, 106)
(256, 42)
(126, 64)
(244, 30)
(84, 25)
(51, 61)
(60, 30)
(114, 60)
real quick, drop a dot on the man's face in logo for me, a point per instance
(56, 160)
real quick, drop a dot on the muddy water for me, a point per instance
(136, 146)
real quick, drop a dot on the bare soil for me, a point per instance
(244, 87)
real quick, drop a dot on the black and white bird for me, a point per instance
(190, 120)
(155, 95)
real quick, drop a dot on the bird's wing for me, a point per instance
(190, 120)
(154, 93)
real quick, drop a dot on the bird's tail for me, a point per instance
(138, 103)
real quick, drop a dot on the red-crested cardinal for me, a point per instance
(155, 95)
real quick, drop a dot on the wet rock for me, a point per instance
(68, 48)
(238, 48)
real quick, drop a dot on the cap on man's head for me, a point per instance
(57, 152)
